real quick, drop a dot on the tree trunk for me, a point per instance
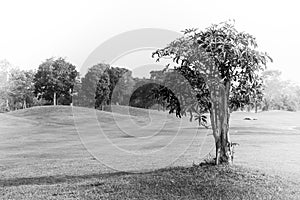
(219, 115)
(54, 99)
(248, 108)
(24, 104)
(7, 104)
(256, 106)
(71, 95)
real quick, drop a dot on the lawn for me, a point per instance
(63, 152)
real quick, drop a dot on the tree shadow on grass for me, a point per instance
(50, 180)
(58, 179)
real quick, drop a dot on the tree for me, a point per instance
(86, 94)
(102, 94)
(143, 94)
(55, 80)
(77, 98)
(120, 84)
(278, 94)
(225, 59)
(21, 88)
(5, 68)
(115, 82)
(272, 88)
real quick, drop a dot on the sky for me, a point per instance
(34, 30)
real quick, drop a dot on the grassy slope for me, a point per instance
(53, 162)
(50, 145)
(206, 182)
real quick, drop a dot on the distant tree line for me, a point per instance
(57, 82)
(51, 84)
(279, 94)
(104, 85)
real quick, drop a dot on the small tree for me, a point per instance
(114, 87)
(86, 94)
(102, 94)
(121, 84)
(5, 68)
(21, 88)
(278, 94)
(226, 59)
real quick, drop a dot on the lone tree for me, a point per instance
(54, 79)
(229, 63)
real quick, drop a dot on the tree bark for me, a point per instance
(7, 104)
(24, 104)
(54, 99)
(71, 94)
(256, 106)
(219, 115)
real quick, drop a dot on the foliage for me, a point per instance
(102, 94)
(55, 76)
(183, 91)
(279, 94)
(121, 85)
(21, 88)
(87, 88)
(232, 52)
(114, 87)
(5, 67)
(143, 95)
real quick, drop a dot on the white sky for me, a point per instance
(31, 31)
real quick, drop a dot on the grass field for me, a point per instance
(63, 152)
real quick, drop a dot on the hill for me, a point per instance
(61, 148)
